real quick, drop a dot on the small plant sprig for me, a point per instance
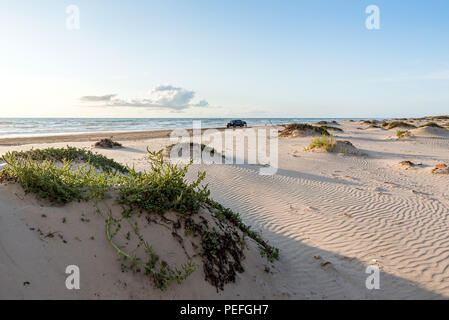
(163, 188)
(160, 272)
(219, 210)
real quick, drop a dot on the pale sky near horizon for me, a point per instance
(210, 58)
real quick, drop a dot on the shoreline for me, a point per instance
(39, 128)
(95, 136)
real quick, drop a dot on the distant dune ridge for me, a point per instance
(430, 131)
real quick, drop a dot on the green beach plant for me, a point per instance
(324, 142)
(398, 124)
(69, 174)
(331, 128)
(431, 124)
(71, 154)
(401, 134)
(302, 127)
(60, 183)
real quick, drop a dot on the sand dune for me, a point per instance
(33, 263)
(330, 214)
(430, 131)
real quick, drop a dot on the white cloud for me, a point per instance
(172, 97)
(104, 98)
(160, 97)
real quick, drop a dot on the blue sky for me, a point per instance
(211, 58)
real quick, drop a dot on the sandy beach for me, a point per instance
(330, 214)
(90, 137)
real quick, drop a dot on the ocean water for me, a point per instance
(26, 127)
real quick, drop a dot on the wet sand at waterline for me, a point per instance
(330, 214)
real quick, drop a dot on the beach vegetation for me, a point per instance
(71, 154)
(431, 124)
(330, 128)
(401, 134)
(68, 174)
(369, 121)
(203, 147)
(290, 129)
(324, 142)
(442, 117)
(398, 124)
(107, 143)
(58, 182)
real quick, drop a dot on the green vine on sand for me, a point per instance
(159, 271)
(51, 174)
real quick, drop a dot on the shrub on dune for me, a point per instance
(302, 129)
(401, 134)
(398, 124)
(331, 128)
(443, 117)
(70, 154)
(219, 232)
(329, 144)
(431, 124)
(407, 164)
(325, 143)
(373, 122)
(372, 126)
(108, 144)
(190, 146)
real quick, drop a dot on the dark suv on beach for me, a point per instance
(236, 123)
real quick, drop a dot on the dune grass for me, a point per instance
(57, 180)
(51, 174)
(71, 154)
(398, 124)
(431, 124)
(442, 117)
(304, 127)
(330, 128)
(373, 122)
(324, 142)
(403, 134)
